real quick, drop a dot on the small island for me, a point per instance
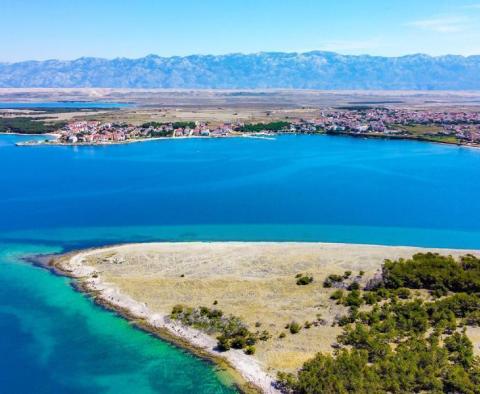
(298, 317)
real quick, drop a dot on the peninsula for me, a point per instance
(267, 309)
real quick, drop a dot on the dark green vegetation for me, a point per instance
(303, 280)
(433, 272)
(233, 332)
(166, 129)
(403, 343)
(25, 125)
(343, 281)
(294, 327)
(161, 133)
(175, 125)
(257, 127)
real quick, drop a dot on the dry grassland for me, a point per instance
(255, 281)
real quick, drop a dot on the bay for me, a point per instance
(301, 188)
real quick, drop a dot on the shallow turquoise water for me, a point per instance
(54, 340)
(300, 188)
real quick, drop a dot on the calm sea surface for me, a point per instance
(303, 188)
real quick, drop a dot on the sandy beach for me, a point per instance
(250, 280)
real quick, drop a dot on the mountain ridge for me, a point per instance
(297, 70)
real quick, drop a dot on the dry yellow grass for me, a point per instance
(255, 281)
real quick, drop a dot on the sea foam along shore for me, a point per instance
(249, 368)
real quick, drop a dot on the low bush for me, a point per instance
(354, 286)
(294, 327)
(250, 350)
(304, 280)
(347, 274)
(337, 295)
(354, 299)
(233, 332)
(403, 293)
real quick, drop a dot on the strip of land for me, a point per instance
(256, 282)
(442, 117)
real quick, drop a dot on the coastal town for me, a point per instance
(448, 127)
(94, 132)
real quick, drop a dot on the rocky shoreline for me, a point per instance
(246, 373)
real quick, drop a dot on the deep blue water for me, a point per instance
(410, 188)
(59, 104)
(305, 188)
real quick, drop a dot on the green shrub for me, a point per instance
(294, 327)
(337, 295)
(177, 309)
(335, 278)
(353, 299)
(347, 274)
(473, 318)
(354, 286)
(460, 349)
(403, 293)
(250, 350)
(238, 342)
(439, 291)
(304, 280)
(382, 293)
(370, 297)
(233, 332)
(223, 343)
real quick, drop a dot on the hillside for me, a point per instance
(312, 70)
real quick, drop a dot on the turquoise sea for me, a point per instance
(303, 188)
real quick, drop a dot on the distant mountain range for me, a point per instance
(311, 70)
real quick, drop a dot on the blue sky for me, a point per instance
(45, 29)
